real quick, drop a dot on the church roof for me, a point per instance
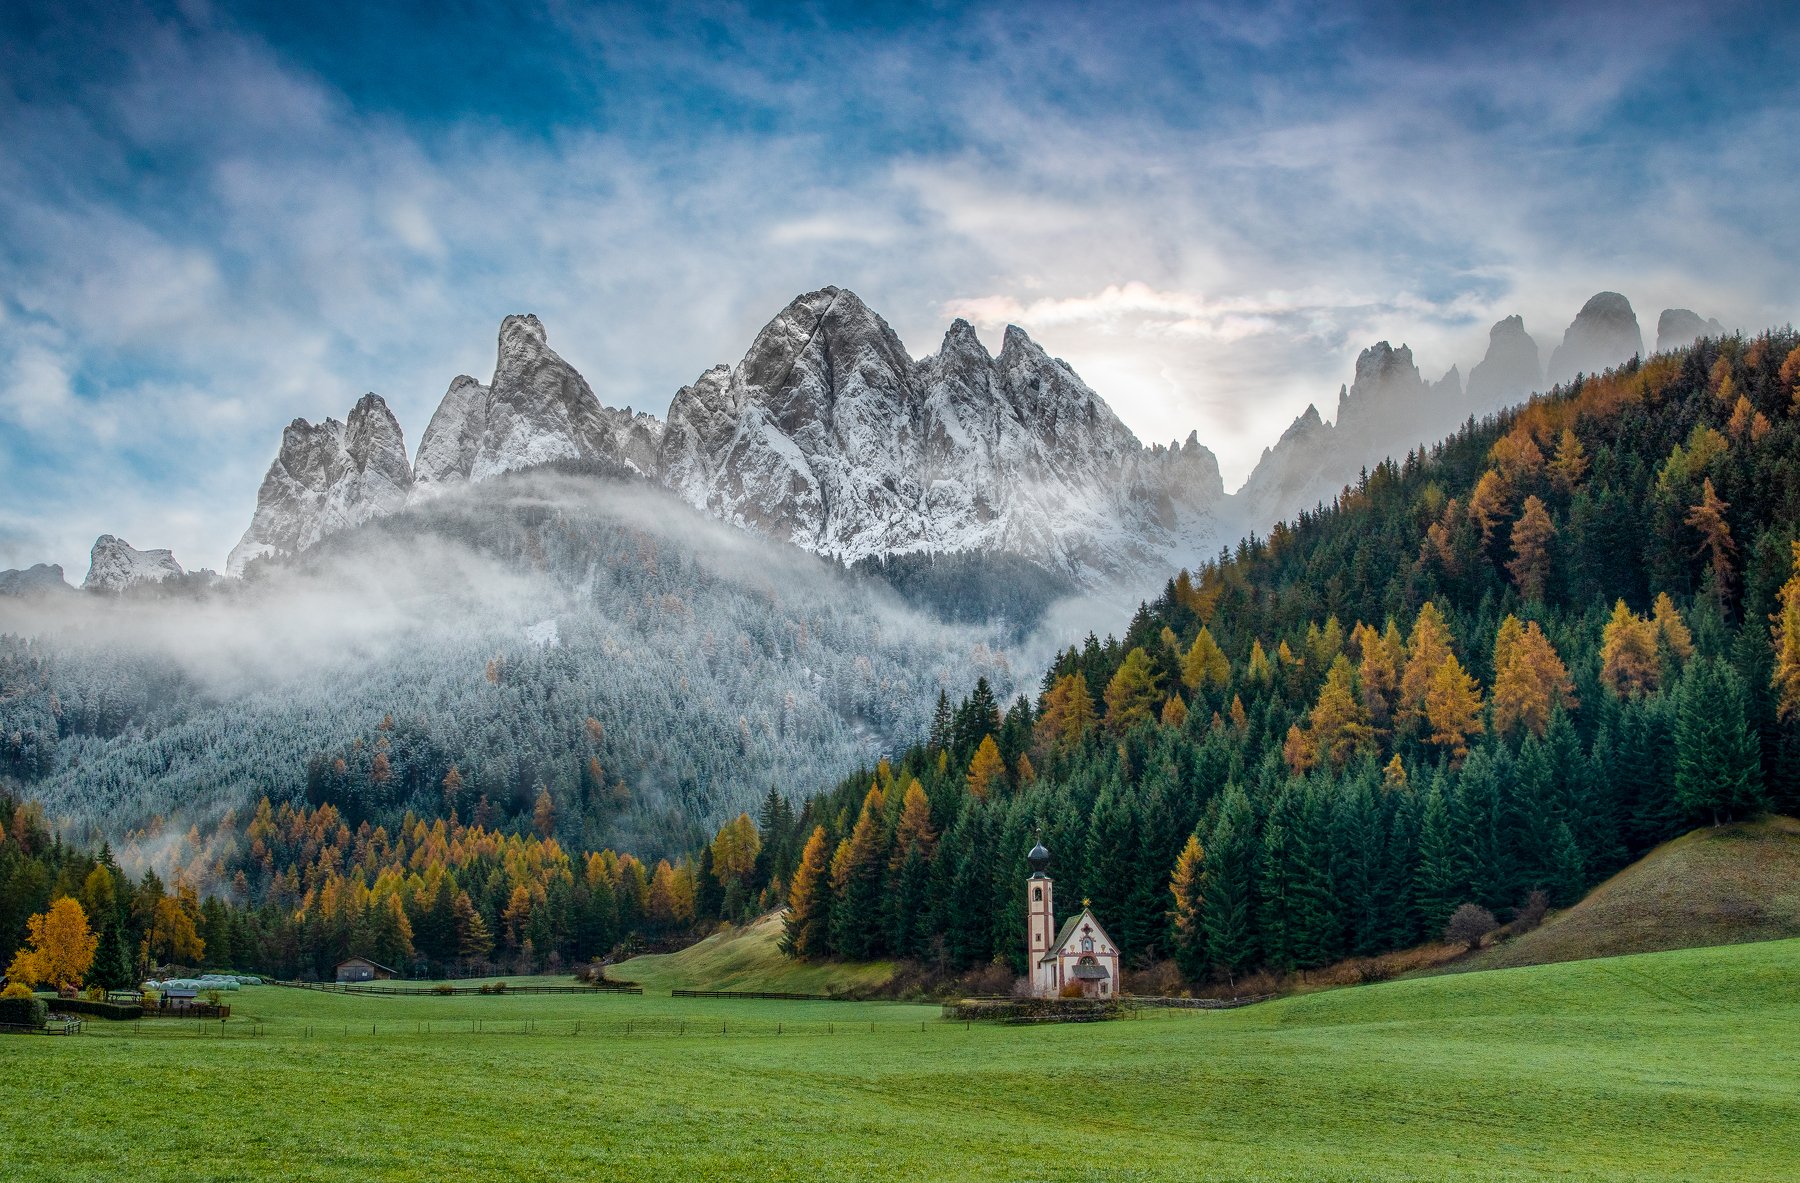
(1067, 933)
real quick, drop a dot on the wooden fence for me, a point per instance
(445, 990)
(764, 995)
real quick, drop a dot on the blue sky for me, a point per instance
(216, 218)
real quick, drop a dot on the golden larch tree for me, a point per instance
(1174, 712)
(1671, 629)
(1530, 679)
(1628, 660)
(1205, 664)
(1426, 650)
(1067, 715)
(1532, 536)
(1489, 505)
(1785, 633)
(1132, 695)
(1571, 462)
(1452, 708)
(987, 767)
(809, 901)
(1708, 518)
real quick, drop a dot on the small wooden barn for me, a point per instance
(361, 969)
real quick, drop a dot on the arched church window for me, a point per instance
(1037, 894)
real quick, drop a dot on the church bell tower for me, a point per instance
(1040, 924)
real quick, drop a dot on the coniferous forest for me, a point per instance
(1505, 666)
(1508, 665)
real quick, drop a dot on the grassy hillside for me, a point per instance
(1714, 886)
(1682, 1065)
(748, 957)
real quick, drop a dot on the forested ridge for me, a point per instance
(1502, 667)
(1508, 665)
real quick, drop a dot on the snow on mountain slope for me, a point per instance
(116, 565)
(327, 478)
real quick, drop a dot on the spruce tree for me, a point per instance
(1718, 764)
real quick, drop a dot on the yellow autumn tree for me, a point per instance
(1258, 670)
(1530, 679)
(59, 947)
(1708, 518)
(1452, 708)
(805, 933)
(1671, 629)
(1205, 664)
(734, 850)
(1571, 462)
(1187, 884)
(1628, 660)
(1785, 633)
(1393, 777)
(1067, 715)
(1532, 535)
(1174, 712)
(913, 831)
(1132, 695)
(987, 768)
(1489, 505)
(1426, 650)
(1339, 723)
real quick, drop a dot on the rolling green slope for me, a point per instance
(748, 957)
(1681, 1065)
(1714, 886)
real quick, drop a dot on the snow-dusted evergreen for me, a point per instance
(491, 624)
(115, 565)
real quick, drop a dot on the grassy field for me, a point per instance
(1717, 885)
(1681, 1065)
(749, 958)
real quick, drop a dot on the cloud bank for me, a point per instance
(217, 219)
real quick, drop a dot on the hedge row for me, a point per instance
(99, 1010)
(23, 1012)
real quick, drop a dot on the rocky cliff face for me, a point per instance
(535, 410)
(1603, 334)
(1678, 328)
(827, 434)
(38, 579)
(115, 565)
(1510, 370)
(326, 478)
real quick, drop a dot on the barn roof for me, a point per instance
(365, 961)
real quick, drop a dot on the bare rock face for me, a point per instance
(35, 580)
(536, 409)
(1510, 370)
(327, 478)
(115, 565)
(827, 434)
(1604, 334)
(1678, 328)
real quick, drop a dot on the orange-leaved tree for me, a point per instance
(60, 947)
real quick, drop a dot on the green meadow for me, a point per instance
(1681, 1065)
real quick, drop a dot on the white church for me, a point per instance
(1077, 957)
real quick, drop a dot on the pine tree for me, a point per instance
(987, 768)
(1187, 935)
(806, 934)
(1131, 696)
(1628, 660)
(1426, 650)
(1205, 664)
(1227, 917)
(1067, 714)
(1532, 536)
(1530, 680)
(1452, 708)
(1785, 635)
(1718, 765)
